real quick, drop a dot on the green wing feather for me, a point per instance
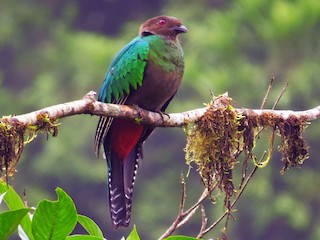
(125, 71)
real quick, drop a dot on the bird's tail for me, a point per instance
(121, 180)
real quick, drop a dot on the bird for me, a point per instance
(146, 73)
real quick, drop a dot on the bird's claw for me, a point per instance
(140, 112)
(137, 108)
(163, 113)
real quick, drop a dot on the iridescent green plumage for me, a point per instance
(147, 72)
(125, 71)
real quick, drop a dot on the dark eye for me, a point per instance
(162, 22)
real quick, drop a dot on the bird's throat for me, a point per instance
(125, 135)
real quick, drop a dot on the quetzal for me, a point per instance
(147, 73)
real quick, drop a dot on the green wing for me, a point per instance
(125, 72)
(124, 75)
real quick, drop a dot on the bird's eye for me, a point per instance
(162, 22)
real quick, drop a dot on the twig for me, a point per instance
(268, 92)
(184, 216)
(280, 95)
(204, 219)
(202, 233)
(187, 217)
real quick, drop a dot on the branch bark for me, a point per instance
(89, 105)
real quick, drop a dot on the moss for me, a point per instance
(293, 147)
(11, 145)
(211, 143)
(216, 140)
(14, 136)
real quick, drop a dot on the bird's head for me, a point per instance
(166, 26)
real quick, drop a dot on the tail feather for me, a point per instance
(122, 176)
(130, 169)
(101, 132)
(116, 193)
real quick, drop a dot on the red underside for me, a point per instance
(125, 134)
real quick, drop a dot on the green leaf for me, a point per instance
(14, 202)
(54, 219)
(134, 234)
(10, 220)
(84, 237)
(90, 226)
(180, 238)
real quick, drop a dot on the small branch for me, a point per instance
(204, 219)
(184, 216)
(264, 101)
(280, 95)
(88, 105)
(203, 232)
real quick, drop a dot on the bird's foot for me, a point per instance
(137, 108)
(162, 114)
(140, 113)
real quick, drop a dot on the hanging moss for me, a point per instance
(216, 140)
(15, 135)
(211, 144)
(293, 147)
(11, 145)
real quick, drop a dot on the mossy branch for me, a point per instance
(16, 131)
(89, 105)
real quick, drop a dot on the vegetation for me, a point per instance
(49, 56)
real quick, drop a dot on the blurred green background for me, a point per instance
(56, 51)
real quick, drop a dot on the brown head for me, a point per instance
(166, 26)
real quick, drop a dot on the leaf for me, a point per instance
(54, 219)
(10, 220)
(90, 226)
(14, 202)
(84, 237)
(134, 234)
(180, 238)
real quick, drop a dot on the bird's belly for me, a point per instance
(157, 88)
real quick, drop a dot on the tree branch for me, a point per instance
(89, 105)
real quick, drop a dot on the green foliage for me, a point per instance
(134, 234)
(90, 226)
(14, 202)
(50, 220)
(54, 220)
(10, 220)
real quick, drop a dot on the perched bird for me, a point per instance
(147, 73)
